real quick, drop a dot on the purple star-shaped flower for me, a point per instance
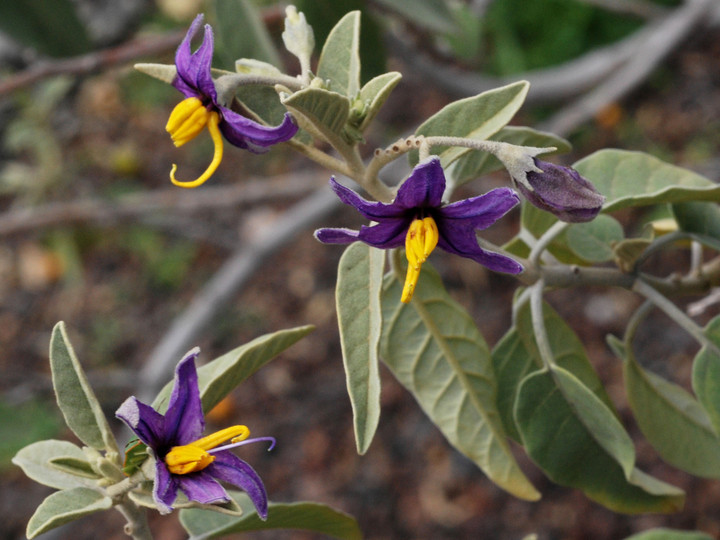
(176, 434)
(405, 221)
(201, 107)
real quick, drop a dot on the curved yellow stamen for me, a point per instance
(195, 457)
(212, 124)
(421, 239)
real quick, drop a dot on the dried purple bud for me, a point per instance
(561, 191)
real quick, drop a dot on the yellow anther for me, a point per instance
(187, 120)
(194, 457)
(219, 437)
(213, 119)
(187, 459)
(421, 239)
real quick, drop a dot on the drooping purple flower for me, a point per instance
(561, 191)
(418, 219)
(201, 108)
(186, 461)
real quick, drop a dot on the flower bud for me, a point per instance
(560, 191)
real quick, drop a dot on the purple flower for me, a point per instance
(418, 219)
(183, 460)
(561, 191)
(201, 108)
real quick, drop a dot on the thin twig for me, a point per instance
(133, 205)
(224, 285)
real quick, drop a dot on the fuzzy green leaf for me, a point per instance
(64, 506)
(577, 441)
(706, 375)
(75, 397)
(74, 466)
(638, 179)
(357, 295)
(374, 93)
(35, 460)
(321, 113)
(478, 117)
(306, 516)
(594, 241)
(339, 62)
(221, 376)
(435, 350)
(698, 217)
(669, 417)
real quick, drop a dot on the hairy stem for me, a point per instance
(136, 525)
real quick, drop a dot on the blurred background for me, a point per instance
(94, 234)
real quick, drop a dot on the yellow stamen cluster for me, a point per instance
(421, 239)
(187, 120)
(195, 457)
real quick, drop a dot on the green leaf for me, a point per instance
(638, 179)
(357, 296)
(307, 516)
(669, 534)
(578, 442)
(475, 164)
(431, 14)
(144, 498)
(435, 350)
(339, 62)
(670, 418)
(74, 466)
(75, 397)
(219, 377)
(594, 240)
(35, 459)
(374, 93)
(706, 375)
(698, 217)
(478, 117)
(321, 113)
(240, 31)
(53, 28)
(516, 355)
(64, 506)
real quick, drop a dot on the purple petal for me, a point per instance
(482, 211)
(374, 211)
(144, 421)
(201, 487)
(386, 235)
(336, 236)
(193, 69)
(229, 468)
(243, 132)
(164, 488)
(465, 244)
(184, 422)
(424, 187)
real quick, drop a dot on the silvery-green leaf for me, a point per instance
(569, 433)
(374, 93)
(75, 397)
(478, 117)
(256, 67)
(164, 72)
(357, 296)
(222, 375)
(144, 498)
(64, 506)
(306, 516)
(706, 374)
(74, 466)
(35, 459)
(339, 62)
(639, 179)
(435, 350)
(594, 240)
(321, 113)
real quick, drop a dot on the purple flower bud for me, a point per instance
(561, 191)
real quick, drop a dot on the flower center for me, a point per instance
(187, 120)
(196, 456)
(421, 239)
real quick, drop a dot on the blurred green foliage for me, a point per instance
(26, 423)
